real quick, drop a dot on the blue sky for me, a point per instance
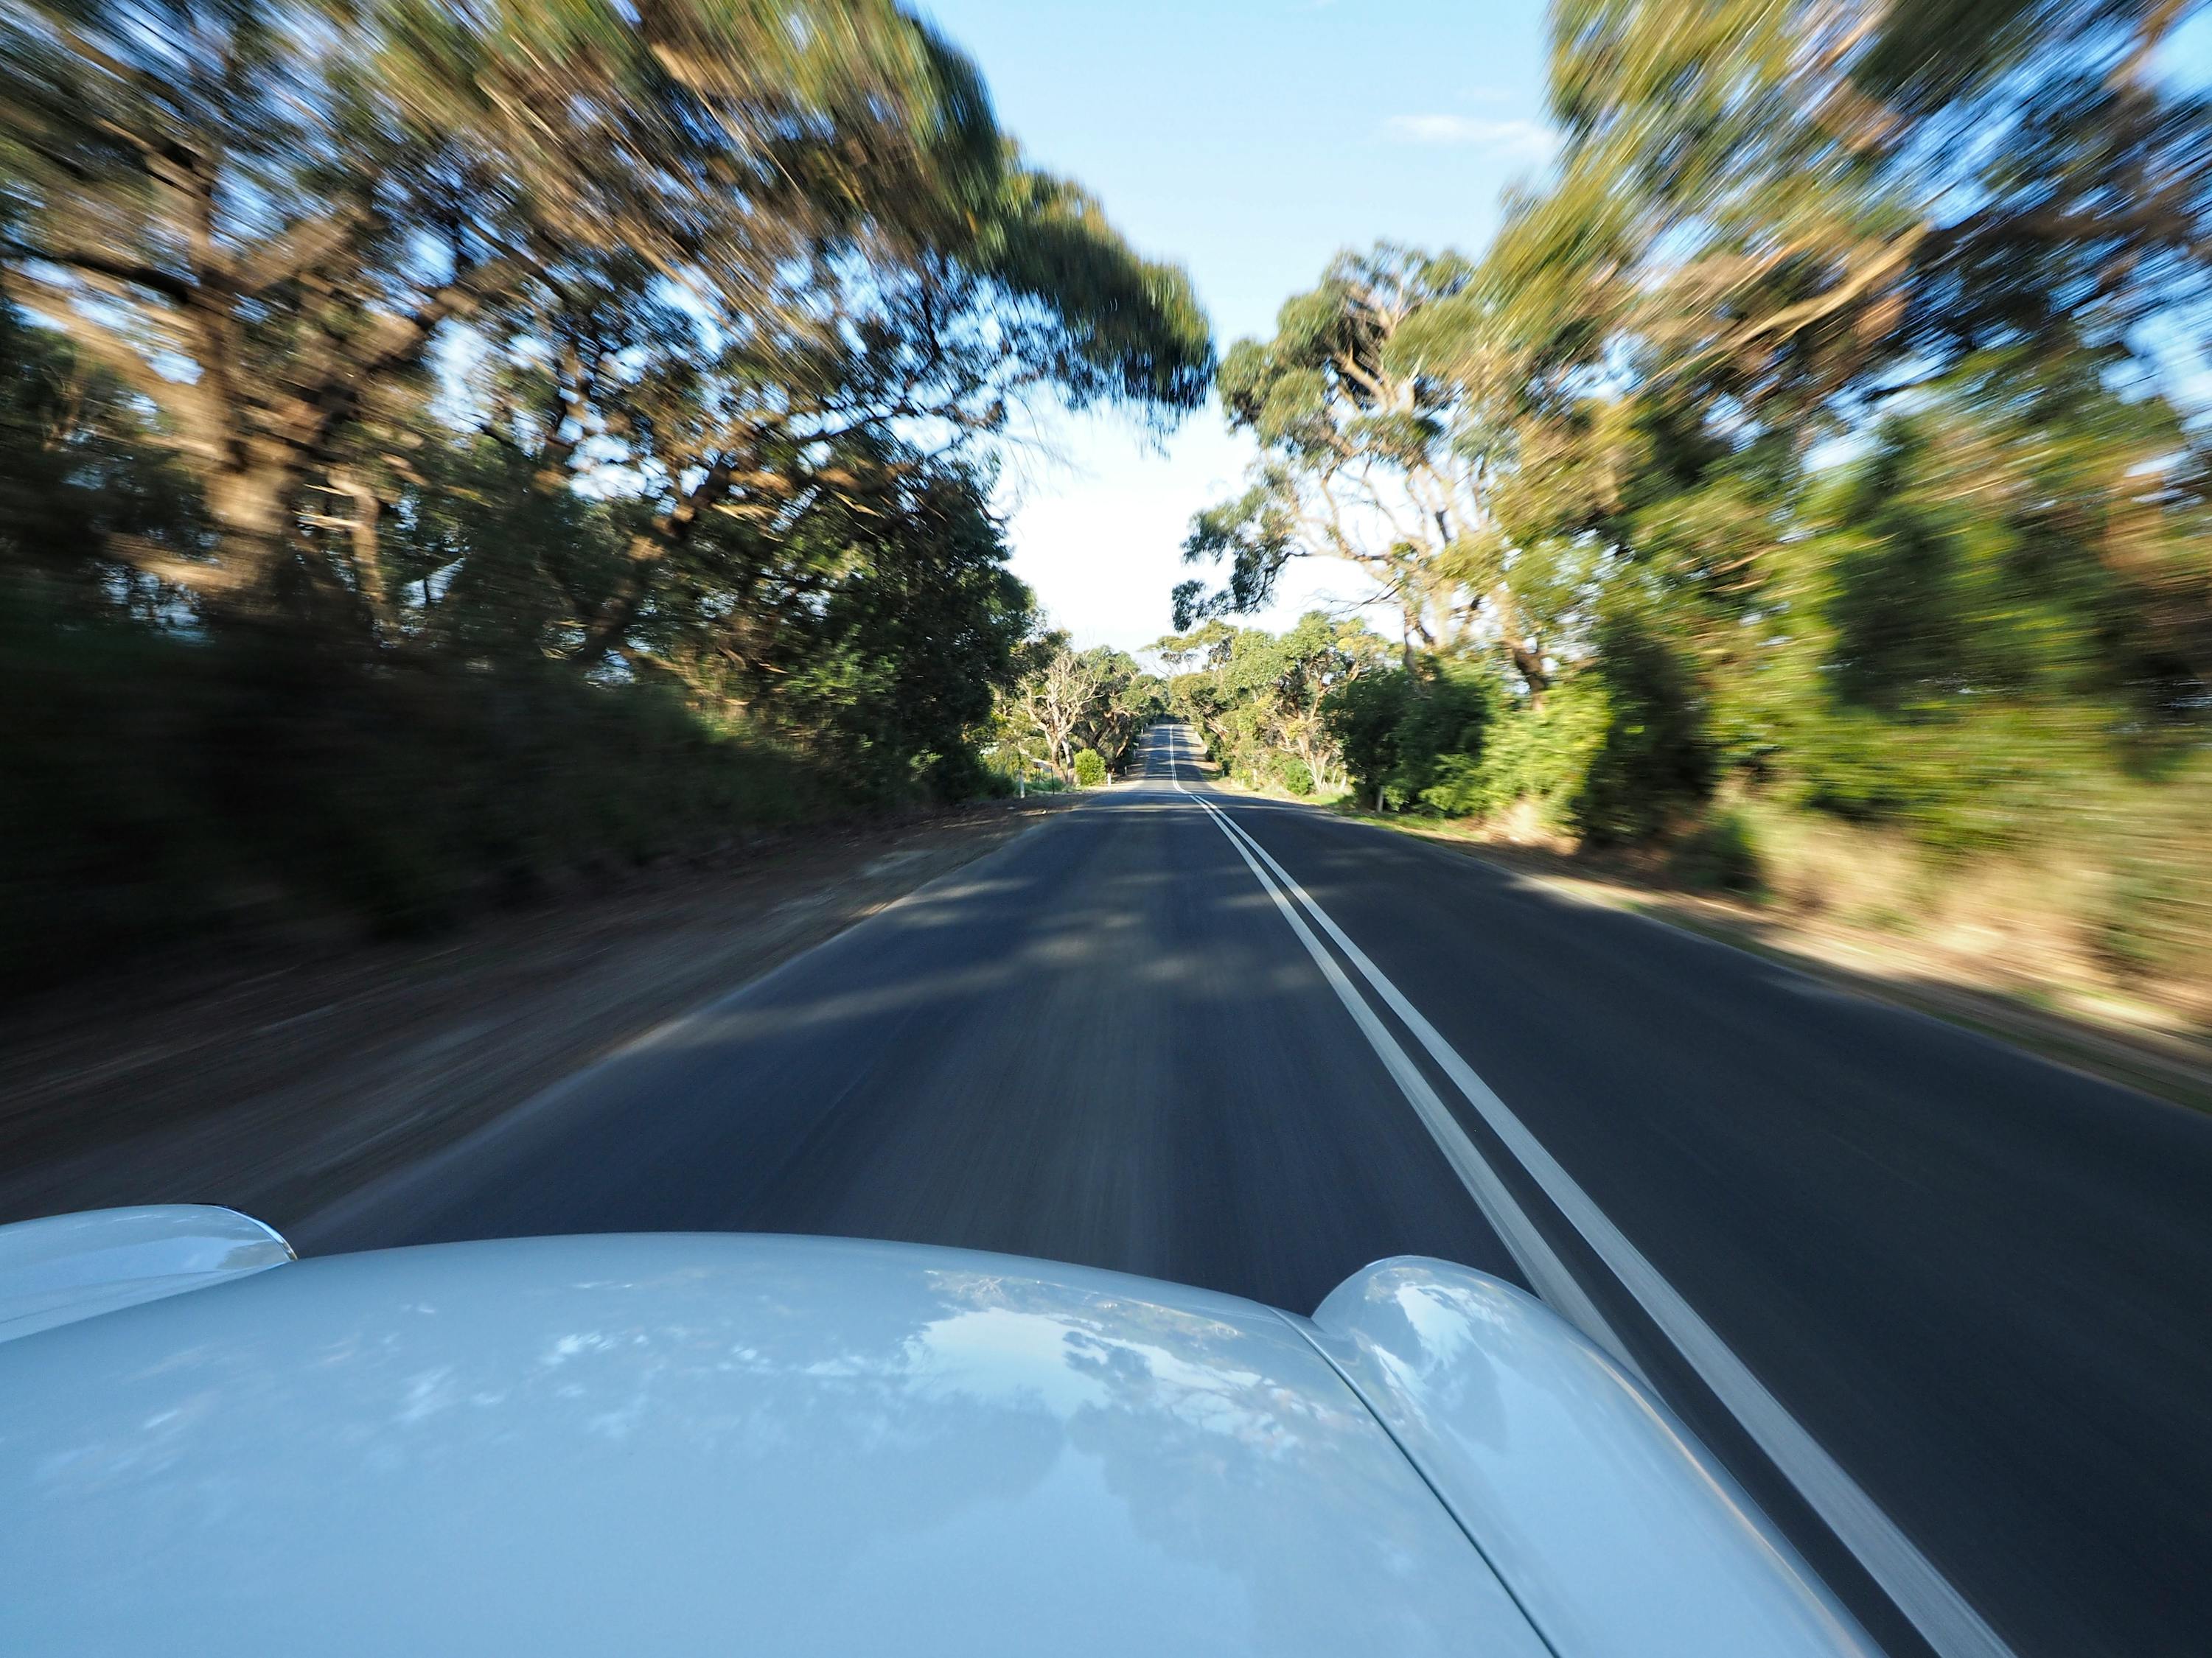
(1251, 140)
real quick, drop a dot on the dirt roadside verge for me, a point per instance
(2139, 1046)
(279, 1083)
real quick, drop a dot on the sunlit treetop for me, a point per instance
(696, 245)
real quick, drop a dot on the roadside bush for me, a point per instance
(1362, 716)
(1996, 778)
(162, 788)
(1296, 776)
(991, 783)
(1613, 753)
(1655, 758)
(1719, 855)
(1541, 755)
(1089, 769)
(1447, 713)
(1396, 731)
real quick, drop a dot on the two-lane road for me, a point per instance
(1943, 1307)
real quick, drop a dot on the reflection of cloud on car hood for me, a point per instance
(812, 1446)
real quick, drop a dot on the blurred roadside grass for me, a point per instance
(2115, 898)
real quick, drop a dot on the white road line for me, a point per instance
(1539, 1263)
(1943, 1617)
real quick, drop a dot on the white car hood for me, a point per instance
(690, 1443)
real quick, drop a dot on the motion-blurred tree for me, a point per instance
(1832, 391)
(428, 392)
(1364, 455)
(715, 237)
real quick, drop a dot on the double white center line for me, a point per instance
(1942, 1615)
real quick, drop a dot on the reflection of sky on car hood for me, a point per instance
(566, 1444)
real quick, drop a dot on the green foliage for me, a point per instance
(1970, 781)
(1653, 761)
(1937, 587)
(1089, 769)
(1362, 716)
(1062, 700)
(1261, 699)
(1615, 751)
(1541, 756)
(711, 268)
(1416, 741)
(1120, 328)
(1359, 458)
(1719, 854)
(1823, 436)
(1448, 713)
(165, 789)
(533, 401)
(893, 671)
(167, 780)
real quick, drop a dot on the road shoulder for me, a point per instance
(278, 1085)
(2117, 1044)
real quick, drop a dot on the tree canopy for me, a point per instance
(681, 254)
(453, 367)
(1068, 702)
(1844, 352)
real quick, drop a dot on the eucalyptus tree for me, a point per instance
(1772, 227)
(1367, 454)
(1125, 700)
(264, 214)
(928, 286)
(1258, 695)
(1318, 659)
(258, 212)
(896, 622)
(1066, 700)
(749, 403)
(1835, 390)
(176, 204)
(1049, 700)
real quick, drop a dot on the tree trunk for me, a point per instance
(1528, 659)
(1529, 665)
(250, 502)
(361, 532)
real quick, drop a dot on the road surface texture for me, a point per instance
(1942, 1306)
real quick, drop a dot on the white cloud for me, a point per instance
(1527, 141)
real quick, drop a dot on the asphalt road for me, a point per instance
(1946, 1308)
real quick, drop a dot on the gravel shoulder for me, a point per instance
(279, 1082)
